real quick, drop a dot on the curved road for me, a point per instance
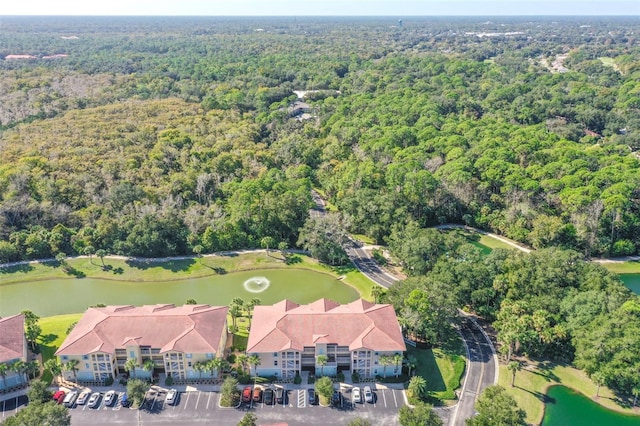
(482, 363)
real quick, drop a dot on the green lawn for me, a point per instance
(531, 386)
(494, 243)
(630, 267)
(442, 368)
(54, 331)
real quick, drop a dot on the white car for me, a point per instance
(109, 398)
(368, 394)
(82, 399)
(70, 399)
(357, 397)
(172, 397)
(94, 401)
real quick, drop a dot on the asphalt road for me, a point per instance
(482, 366)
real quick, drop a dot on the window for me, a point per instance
(64, 357)
(188, 355)
(132, 354)
(189, 364)
(275, 354)
(376, 354)
(275, 363)
(209, 356)
(86, 365)
(85, 356)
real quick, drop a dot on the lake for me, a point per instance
(569, 407)
(632, 281)
(64, 296)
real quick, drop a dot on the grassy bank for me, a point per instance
(54, 331)
(532, 382)
(630, 267)
(171, 270)
(442, 368)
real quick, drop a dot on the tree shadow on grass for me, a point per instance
(544, 369)
(179, 265)
(539, 395)
(48, 338)
(17, 268)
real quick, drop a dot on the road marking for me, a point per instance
(384, 398)
(4, 403)
(302, 398)
(198, 400)
(187, 401)
(395, 400)
(209, 399)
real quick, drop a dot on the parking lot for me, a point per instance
(197, 407)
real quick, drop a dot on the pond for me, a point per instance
(632, 281)
(64, 296)
(568, 407)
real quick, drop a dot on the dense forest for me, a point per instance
(151, 136)
(167, 136)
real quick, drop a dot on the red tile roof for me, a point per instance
(11, 337)
(188, 328)
(359, 325)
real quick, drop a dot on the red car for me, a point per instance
(246, 394)
(59, 396)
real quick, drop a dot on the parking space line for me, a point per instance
(187, 401)
(302, 398)
(198, 400)
(395, 400)
(209, 400)
(384, 398)
(4, 404)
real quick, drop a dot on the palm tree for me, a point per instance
(243, 360)
(417, 387)
(376, 293)
(235, 312)
(412, 362)
(4, 368)
(89, 251)
(18, 367)
(131, 366)
(54, 366)
(200, 366)
(101, 254)
(72, 365)
(255, 361)
(198, 251)
(252, 304)
(598, 379)
(148, 366)
(385, 360)
(322, 360)
(397, 360)
(213, 366)
(265, 242)
(514, 367)
(31, 369)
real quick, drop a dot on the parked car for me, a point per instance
(59, 396)
(82, 398)
(357, 397)
(124, 400)
(257, 394)
(280, 395)
(70, 398)
(312, 396)
(246, 394)
(368, 394)
(94, 400)
(172, 397)
(268, 396)
(109, 398)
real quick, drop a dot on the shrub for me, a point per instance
(231, 358)
(108, 381)
(340, 376)
(311, 379)
(168, 381)
(355, 377)
(297, 380)
(230, 395)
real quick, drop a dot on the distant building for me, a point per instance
(298, 108)
(13, 347)
(174, 338)
(288, 338)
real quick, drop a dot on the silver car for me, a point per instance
(172, 397)
(82, 399)
(357, 397)
(109, 398)
(94, 401)
(368, 394)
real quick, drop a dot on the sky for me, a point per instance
(320, 7)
